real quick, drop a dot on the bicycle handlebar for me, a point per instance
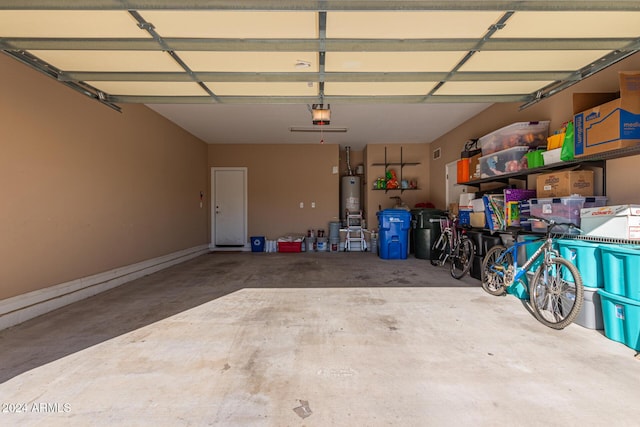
(552, 223)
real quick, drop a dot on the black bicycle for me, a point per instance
(453, 246)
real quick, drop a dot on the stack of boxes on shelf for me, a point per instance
(501, 152)
(601, 122)
(560, 197)
(560, 194)
(465, 208)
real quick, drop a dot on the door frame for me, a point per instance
(212, 245)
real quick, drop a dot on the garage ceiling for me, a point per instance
(392, 71)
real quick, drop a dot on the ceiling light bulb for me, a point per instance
(321, 114)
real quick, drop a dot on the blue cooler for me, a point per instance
(394, 225)
(257, 244)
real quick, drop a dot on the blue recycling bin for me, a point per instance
(393, 240)
(257, 244)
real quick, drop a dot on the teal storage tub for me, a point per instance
(519, 290)
(621, 268)
(621, 317)
(586, 257)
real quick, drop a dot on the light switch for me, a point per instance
(313, 205)
(335, 170)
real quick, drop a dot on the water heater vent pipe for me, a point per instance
(348, 158)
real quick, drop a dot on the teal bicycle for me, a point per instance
(555, 293)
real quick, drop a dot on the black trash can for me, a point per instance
(478, 246)
(482, 241)
(425, 230)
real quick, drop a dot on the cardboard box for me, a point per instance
(464, 201)
(565, 183)
(477, 205)
(604, 127)
(618, 222)
(477, 219)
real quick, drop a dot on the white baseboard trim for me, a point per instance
(23, 307)
(214, 248)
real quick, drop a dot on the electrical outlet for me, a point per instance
(301, 205)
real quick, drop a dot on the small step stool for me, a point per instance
(354, 240)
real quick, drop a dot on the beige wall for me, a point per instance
(85, 189)
(376, 199)
(280, 176)
(558, 109)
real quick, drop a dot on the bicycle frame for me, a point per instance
(554, 294)
(447, 226)
(520, 271)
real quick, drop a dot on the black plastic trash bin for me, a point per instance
(482, 242)
(425, 229)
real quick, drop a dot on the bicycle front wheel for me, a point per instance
(556, 293)
(494, 270)
(461, 258)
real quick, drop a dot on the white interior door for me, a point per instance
(229, 207)
(453, 189)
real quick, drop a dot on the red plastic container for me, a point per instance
(289, 246)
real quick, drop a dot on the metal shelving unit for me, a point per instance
(597, 160)
(402, 164)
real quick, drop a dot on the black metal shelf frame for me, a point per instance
(402, 164)
(597, 160)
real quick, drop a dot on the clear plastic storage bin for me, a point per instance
(505, 161)
(521, 134)
(562, 210)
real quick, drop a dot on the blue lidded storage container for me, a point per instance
(257, 244)
(393, 239)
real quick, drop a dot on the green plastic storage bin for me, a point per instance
(535, 159)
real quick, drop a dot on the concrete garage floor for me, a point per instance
(326, 339)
